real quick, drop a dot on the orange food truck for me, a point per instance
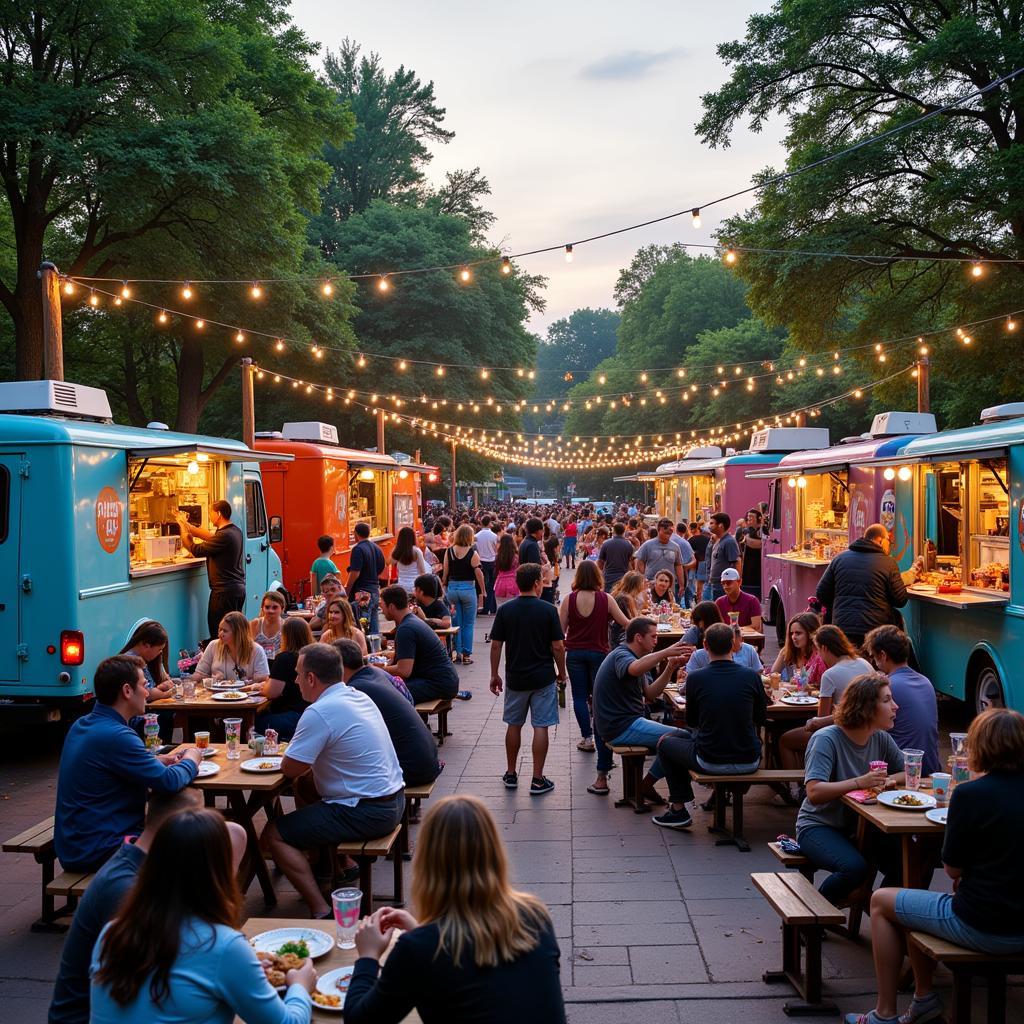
(327, 489)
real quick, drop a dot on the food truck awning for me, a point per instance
(636, 478)
(371, 460)
(224, 453)
(831, 460)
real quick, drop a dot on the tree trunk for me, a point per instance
(28, 311)
(191, 367)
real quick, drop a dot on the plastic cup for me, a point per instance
(346, 904)
(912, 766)
(209, 683)
(958, 742)
(233, 735)
(258, 744)
(734, 618)
(188, 688)
(179, 689)
(879, 766)
(940, 786)
(202, 740)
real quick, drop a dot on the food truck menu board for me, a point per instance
(823, 511)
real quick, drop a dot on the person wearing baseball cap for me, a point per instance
(736, 601)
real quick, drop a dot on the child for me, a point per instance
(322, 565)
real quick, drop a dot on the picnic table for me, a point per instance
(203, 706)
(666, 637)
(264, 791)
(328, 962)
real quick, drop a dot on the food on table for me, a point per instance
(299, 948)
(265, 766)
(908, 800)
(323, 999)
(277, 966)
(232, 695)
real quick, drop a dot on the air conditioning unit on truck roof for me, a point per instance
(56, 398)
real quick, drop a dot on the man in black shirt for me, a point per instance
(223, 549)
(414, 745)
(615, 557)
(726, 702)
(533, 633)
(420, 657)
(529, 550)
(429, 606)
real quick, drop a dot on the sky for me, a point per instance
(581, 114)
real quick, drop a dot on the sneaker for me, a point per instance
(464, 695)
(673, 819)
(511, 780)
(541, 785)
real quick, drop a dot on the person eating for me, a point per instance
(660, 595)
(233, 656)
(341, 625)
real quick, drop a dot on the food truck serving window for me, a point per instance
(160, 488)
(966, 508)
(367, 500)
(823, 513)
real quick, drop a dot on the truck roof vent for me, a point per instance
(270, 435)
(1008, 411)
(157, 425)
(892, 424)
(55, 398)
(311, 430)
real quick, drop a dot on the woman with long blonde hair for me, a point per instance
(628, 594)
(341, 624)
(234, 656)
(480, 951)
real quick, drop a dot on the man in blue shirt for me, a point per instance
(105, 770)
(365, 565)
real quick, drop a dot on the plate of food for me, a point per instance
(223, 684)
(276, 967)
(331, 989)
(937, 814)
(799, 699)
(300, 942)
(906, 800)
(231, 695)
(261, 764)
(206, 769)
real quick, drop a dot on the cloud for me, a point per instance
(629, 64)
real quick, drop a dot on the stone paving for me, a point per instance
(654, 925)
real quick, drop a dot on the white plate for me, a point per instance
(206, 769)
(318, 942)
(224, 686)
(799, 699)
(253, 765)
(888, 798)
(328, 985)
(937, 814)
(209, 752)
(230, 696)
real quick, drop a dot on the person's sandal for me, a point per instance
(598, 790)
(586, 744)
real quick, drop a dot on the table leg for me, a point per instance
(253, 863)
(911, 866)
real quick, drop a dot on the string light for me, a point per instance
(695, 217)
(126, 292)
(361, 361)
(239, 337)
(465, 275)
(69, 288)
(977, 269)
(256, 291)
(730, 256)
(94, 299)
(402, 364)
(162, 318)
(383, 284)
(200, 324)
(506, 265)
(327, 288)
(568, 253)
(186, 292)
(439, 371)
(1011, 324)
(279, 346)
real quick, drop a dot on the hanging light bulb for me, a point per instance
(465, 275)
(977, 269)
(1011, 324)
(327, 288)
(126, 292)
(117, 300)
(484, 374)
(402, 364)
(695, 217)
(602, 379)
(439, 371)
(256, 291)
(186, 292)
(279, 345)
(162, 318)
(361, 361)
(383, 284)
(69, 288)
(94, 299)
(730, 256)
(318, 352)
(200, 324)
(568, 253)
(239, 337)
(506, 265)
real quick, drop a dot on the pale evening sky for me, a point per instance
(581, 115)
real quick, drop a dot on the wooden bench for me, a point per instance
(71, 884)
(38, 841)
(805, 914)
(414, 795)
(632, 777)
(737, 786)
(793, 860)
(440, 708)
(364, 854)
(964, 964)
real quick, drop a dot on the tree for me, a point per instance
(462, 195)
(645, 262)
(841, 72)
(155, 139)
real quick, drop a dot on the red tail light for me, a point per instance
(72, 647)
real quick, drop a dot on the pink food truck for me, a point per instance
(820, 502)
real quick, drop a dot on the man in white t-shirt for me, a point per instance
(487, 549)
(341, 745)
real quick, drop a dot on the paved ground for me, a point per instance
(654, 925)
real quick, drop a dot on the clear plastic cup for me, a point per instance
(734, 618)
(346, 904)
(912, 766)
(188, 688)
(202, 740)
(940, 786)
(233, 736)
(179, 689)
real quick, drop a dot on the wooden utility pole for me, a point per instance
(248, 404)
(453, 501)
(53, 335)
(801, 419)
(380, 432)
(923, 384)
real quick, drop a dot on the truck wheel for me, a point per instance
(778, 620)
(988, 688)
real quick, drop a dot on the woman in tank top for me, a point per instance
(266, 630)
(408, 558)
(463, 581)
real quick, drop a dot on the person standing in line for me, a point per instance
(751, 549)
(725, 553)
(615, 556)
(462, 577)
(534, 669)
(569, 535)
(322, 565)
(700, 542)
(530, 548)
(365, 566)
(223, 548)
(487, 549)
(506, 561)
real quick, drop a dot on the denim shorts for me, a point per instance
(542, 703)
(932, 912)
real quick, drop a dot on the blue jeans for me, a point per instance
(582, 667)
(717, 591)
(833, 850)
(462, 594)
(932, 912)
(642, 733)
(372, 610)
(490, 601)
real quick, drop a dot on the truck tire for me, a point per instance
(987, 687)
(778, 619)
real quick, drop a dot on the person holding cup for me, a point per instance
(981, 854)
(838, 762)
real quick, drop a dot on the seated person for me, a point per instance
(704, 614)
(413, 741)
(342, 740)
(281, 689)
(661, 592)
(622, 684)
(105, 770)
(480, 951)
(838, 762)
(266, 630)
(233, 656)
(727, 704)
(106, 892)
(917, 724)
(742, 653)
(149, 642)
(420, 657)
(330, 590)
(981, 854)
(798, 656)
(341, 625)
(429, 607)
(738, 601)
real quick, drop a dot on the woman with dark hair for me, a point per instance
(798, 656)
(981, 854)
(506, 561)
(479, 950)
(704, 614)
(550, 568)
(173, 953)
(407, 558)
(286, 703)
(569, 535)
(149, 642)
(661, 592)
(839, 761)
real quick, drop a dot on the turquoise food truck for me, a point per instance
(89, 544)
(958, 498)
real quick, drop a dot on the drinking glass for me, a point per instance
(202, 740)
(346, 915)
(912, 766)
(188, 688)
(734, 618)
(233, 734)
(179, 689)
